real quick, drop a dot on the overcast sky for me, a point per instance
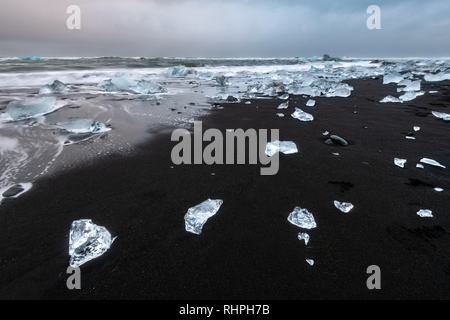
(225, 28)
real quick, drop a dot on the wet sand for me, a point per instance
(249, 250)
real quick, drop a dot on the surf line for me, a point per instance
(213, 153)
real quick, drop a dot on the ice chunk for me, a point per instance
(390, 99)
(87, 241)
(343, 206)
(28, 108)
(441, 76)
(440, 115)
(148, 87)
(432, 162)
(286, 147)
(179, 71)
(123, 82)
(108, 86)
(408, 96)
(284, 105)
(400, 162)
(196, 216)
(32, 59)
(438, 189)
(311, 103)
(281, 115)
(56, 87)
(420, 166)
(302, 218)
(314, 58)
(409, 85)
(82, 125)
(301, 115)
(416, 128)
(303, 236)
(425, 213)
(284, 96)
(206, 76)
(310, 261)
(222, 80)
(308, 79)
(393, 77)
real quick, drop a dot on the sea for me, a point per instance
(42, 143)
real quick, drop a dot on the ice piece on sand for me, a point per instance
(302, 218)
(437, 77)
(420, 166)
(82, 125)
(196, 216)
(284, 105)
(28, 108)
(108, 86)
(310, 261)
(206, 76)
(222, 80)
(148, 87)
(286, 147)
(438, 189)
(302, 115)
(303, 236)
(400, 162)
(408, 96)
(87, 241)
(390, 99)
(393, 77)
(409, 85)
(432, 162)
(179, 71)
(56, 87)
(310, 103)
(416, 128)
(343, 206)
(123, 82)
(440, 115)
(284, 96)
(425, 213)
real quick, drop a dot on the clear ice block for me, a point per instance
(301, 115)
(28, 108)
(148, 87)
(303, 236)
(286, 147)
(425, 213)
(87, 241)
(56, 87)
(196, 216)
(302, 218)
(343, 206)
(441, 115)
(432, 162)
(400, 162)
(311, 103)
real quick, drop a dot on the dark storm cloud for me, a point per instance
(224, 28)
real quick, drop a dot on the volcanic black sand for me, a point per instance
(249, 250)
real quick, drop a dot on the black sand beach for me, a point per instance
(249, 250)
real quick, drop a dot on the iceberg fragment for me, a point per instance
(432, 162)
(390, 99)
(416, 128)
(148, 87)
(302, 218)
(222, 80)
(393, 77)
(301, 115)
(438, 189)
(310, 103)
(286, 147)
(440, 115)
(28, 108)
(408, 96)
(284, 105)
(303, 236)
(31, 59)
(87, 241)
(284, 96)
(441, 76)
(400, 162)
(108, 86)
(123, 82)
(206, 76)
(409, 85)
(56, 87)
(179, 71)
(425, 213)
(196, 216)
(343, 206)
(310, 262)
